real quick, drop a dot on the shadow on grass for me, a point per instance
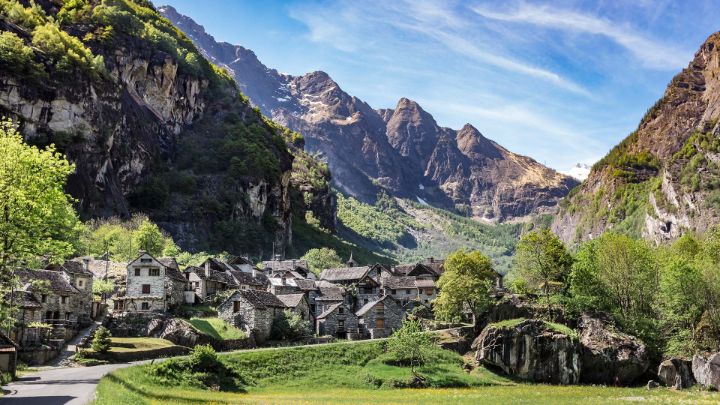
(168, 397)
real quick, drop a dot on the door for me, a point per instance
(379, 323)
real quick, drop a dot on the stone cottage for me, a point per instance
(152, 285)
(327, 296)
(252, 311)
(361, 282)
(298, 304)
(337, 320)
(402, 288)
(82, 279)
(299, 266)
(379, 318)
(216, 275)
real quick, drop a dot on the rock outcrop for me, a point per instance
(659, 181)
(400, 150)
(530, 350)
(706, 370)
(676, 373)
(176, 331)
(609, 356)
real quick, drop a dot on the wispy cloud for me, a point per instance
(651, 53)
(348, 28)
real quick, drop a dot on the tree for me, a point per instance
(103, 288)
(542, 261)
(410, 345)
(289, 326)
(101, 342)
(149, 238)
(465, 285)
(36, 215)
(322, 258)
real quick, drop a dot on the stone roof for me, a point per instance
(291, 300)
(74, 266)
(395, 282)
(172, 269)
(199, 271)
(242, 277)
(344, 273)
(260, 299)
(365, 308)
(423, 283)
(330, 294)
(285, 265)
(58, 283)
(330, 310)
(5, 341)
(306, 285)
(114, 269)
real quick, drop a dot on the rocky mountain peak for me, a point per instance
(474, 145)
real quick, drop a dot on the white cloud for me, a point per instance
(650, 53)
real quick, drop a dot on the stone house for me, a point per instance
(215, 276)
(299, 266)
(152, 285)
(298, 304)
(327, 296)
(380, 317)
(417, 270)
(361, 282)
(427, 290)
(62, 305)
(252, 311)
(402, 288)
(8, 355)
(82, 279)
(337, 320)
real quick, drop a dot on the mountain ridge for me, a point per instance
(401, 150)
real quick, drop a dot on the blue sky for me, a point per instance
(561, 81)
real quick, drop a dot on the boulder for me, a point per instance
(652, 384)
(609, 356)
(706, 370)
(676, 373)
(177, 331)
(530, 350)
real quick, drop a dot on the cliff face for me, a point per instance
(132, 120)
(402, 150)
(662, 179)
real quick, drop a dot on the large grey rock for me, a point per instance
(610, 356)
(676, 373)
(706, 370)
(530, 350)
(178, 332)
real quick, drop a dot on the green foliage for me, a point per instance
(322, 258)
(202, 369)
(38, 219)
(66, 52)
(123, 240)
(542, 261)
(18, 58)
(26, 17)
(465, 284)
(380, 224)
(289, 326)
(101, 341)
(409, 345)
(217, 328)
(103, 287)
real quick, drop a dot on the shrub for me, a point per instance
(101, 342)
(5, 378)
(289, 326)
(202, 369)
(409, 345)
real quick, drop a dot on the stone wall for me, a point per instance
(328, 326)
(391, 315)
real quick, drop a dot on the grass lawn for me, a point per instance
(217, 328)
(353, 373)
(135, 344)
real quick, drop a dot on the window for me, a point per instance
(63, 300)
(368, 290)
(155, 272)
(137, 272)
(43, 298)
(341, 310)
(407, 292)
(393, 291)
(81, 283)
(146, 288)
(67, 315)
(236, 306)
(341, 325)
(429, 291)
(145, 306)
(145, 260)
(380, 309)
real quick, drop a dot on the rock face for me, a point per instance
(676, 373)
(531, 351)
(134, 121)
(608, 356)
(400, 150)
(669, 164)
(176, 331)
(706, 370)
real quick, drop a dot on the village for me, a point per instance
(56, 305)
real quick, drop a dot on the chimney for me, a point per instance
(207, 268)
(86, 263)
(254, 272)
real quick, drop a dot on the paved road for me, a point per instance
(57, 386)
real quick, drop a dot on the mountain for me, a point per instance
(402, 150)
(663, 179)
(152, 126)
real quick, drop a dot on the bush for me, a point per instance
(101, 342)
(5, 378)
(289, 326)
(409, 346)
(202, 369)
